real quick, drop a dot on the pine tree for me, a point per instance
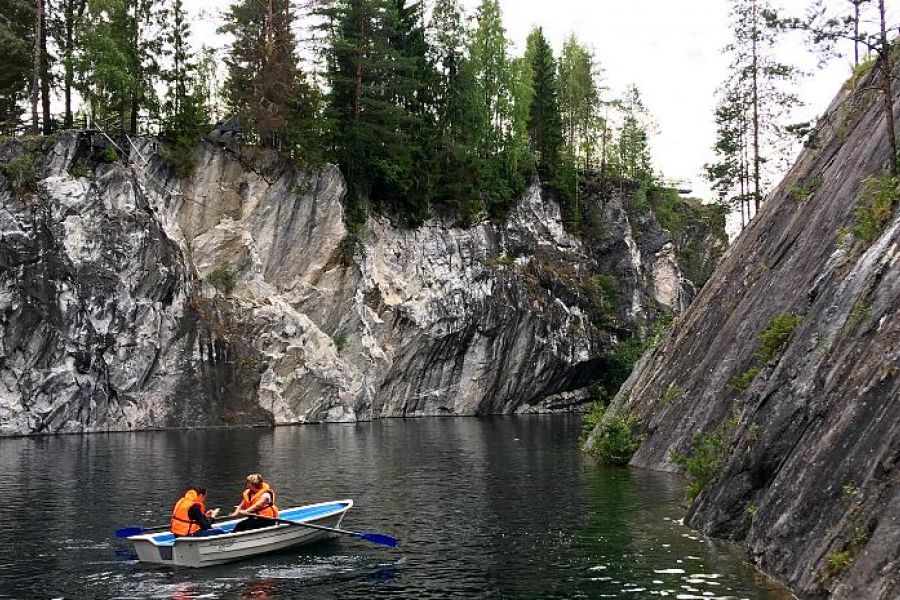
(447, 45)
(64, 27)
(262, 68)
(460, 114)
(579, 101)
(499, 171)
(729, 176)
(763, 84)
(753, 137)
(826, 30)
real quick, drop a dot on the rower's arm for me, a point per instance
(259, 504)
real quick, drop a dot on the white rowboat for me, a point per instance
(166, 549)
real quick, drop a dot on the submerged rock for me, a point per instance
(132, 298)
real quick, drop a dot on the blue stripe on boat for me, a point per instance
(302, 513)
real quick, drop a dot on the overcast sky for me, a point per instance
(671, 50)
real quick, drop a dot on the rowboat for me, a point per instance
(165, 549)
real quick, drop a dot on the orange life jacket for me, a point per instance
(248, 500)
(181, 522)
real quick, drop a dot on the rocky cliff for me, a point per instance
(781, 382)
(131, 297)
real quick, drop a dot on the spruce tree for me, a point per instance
(16, 51)
(366, 75)
(544, 123)
(491, 69)
(633, 146)
(116, 68)
(185, 115)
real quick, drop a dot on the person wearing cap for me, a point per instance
(257, 500)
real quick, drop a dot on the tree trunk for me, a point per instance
(885, 56)
(755, 74)
(36, 74)
(856, 4)
(45, 74)
(69, 16)
(270, 23)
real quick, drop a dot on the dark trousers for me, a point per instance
(251, 523)
(208, 532)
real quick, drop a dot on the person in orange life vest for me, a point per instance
(190, 517)
(257, 499)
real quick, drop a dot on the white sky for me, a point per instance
(672, 50)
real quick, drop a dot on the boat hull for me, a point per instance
(198, 552)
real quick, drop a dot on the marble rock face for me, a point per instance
(109, 319)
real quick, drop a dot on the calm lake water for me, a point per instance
(494, 508)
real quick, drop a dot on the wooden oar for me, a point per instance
(376, 538)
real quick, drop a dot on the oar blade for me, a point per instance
(378, 538)
(124, 532)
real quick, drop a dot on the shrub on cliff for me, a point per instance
(222, 278)
(617, 439)
(21, 172)
(702, 463)
(874, 209)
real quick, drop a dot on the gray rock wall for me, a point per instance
(107, 321)
(808, 480)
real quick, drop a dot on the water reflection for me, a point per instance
(495, 508)
(259, 590)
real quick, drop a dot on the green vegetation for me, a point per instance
(775, 336)
(340, 341)
(180, 157)
(222, 278)
(706, 455)
(850, 490)
(601, 292)
(860, 71)
(21, 172)
(859, 314)
(754, 109)
(772, 340)
(751, 510)
(672, 392)
(596, 410)
(801, 193)
(743, 381)
(79, 169)
(108, 155)
(874, 209)
(426, 112)
(617, 439)
(837, 561)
